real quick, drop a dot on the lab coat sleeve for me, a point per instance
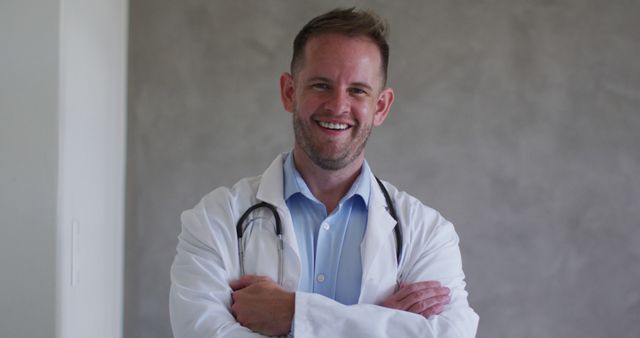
(200, 295)
(432, 254)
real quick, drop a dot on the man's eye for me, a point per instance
(358, 91)
(320, 86)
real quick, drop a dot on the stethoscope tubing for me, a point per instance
(240, 230)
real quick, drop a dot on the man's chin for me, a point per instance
(333, 163)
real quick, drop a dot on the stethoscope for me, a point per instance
(240, 229)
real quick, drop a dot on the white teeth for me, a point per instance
(335, 126)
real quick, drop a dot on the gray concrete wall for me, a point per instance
(518, 120)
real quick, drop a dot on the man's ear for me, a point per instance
(287, 91)
(383, 105)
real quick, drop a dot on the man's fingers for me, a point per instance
(423, 295)
(247, 280)
(427, 304)
(425, 298)
(407, 289)
(432, 311)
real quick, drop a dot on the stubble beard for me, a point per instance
(314, 151)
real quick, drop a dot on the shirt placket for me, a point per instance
(328, 251)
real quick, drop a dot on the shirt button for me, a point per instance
(325, 226)
(320, 278)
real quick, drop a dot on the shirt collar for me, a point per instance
(294, 183)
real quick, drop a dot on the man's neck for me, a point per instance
(328, 186)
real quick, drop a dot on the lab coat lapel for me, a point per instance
(271, 190)
(379, 262)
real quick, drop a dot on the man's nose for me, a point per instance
(338, 102)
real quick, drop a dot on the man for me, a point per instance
(344, 267)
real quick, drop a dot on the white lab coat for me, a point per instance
(207, 260)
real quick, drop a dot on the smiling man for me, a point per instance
(317, 246)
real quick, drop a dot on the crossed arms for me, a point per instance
(208, 300)
(263, 306)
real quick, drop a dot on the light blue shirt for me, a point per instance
(329, 245)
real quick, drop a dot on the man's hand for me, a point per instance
(262, 305)
(424, 298)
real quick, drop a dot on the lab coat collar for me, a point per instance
(271, 188)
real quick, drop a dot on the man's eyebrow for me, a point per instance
(318, 78)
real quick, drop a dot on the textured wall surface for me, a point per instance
(518, 120)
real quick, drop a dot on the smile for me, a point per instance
(333, 126)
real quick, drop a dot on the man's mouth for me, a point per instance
(333, 126)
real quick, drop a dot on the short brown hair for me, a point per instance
(350, 22)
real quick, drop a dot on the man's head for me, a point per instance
(337, 91)
(349, 22)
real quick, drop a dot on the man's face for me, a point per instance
(336, 98)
